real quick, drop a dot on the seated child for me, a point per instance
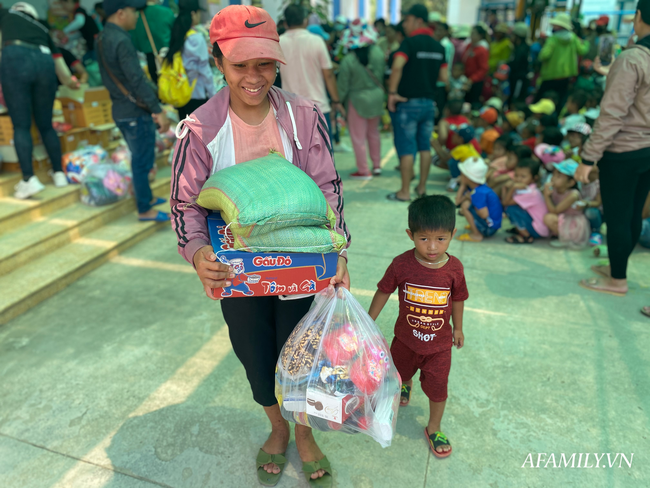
(480, 206)
(527, 132)
(497, 161)
(525, 205)
(425, 336)
(543, 107)
(593, 205)
(576, 137)
(565, 219)
(511, 121)
(487, 118)
(505, 175)
(459, 84)
(544, 123)
(575, 103)
(585, 80)
(464, 141)
(552, 136)
(446, 127)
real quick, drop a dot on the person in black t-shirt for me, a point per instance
(417, 67)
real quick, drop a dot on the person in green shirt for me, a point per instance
(160, 20)
(362, 93)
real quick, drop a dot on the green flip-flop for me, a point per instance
(265, 478)
(325, 481)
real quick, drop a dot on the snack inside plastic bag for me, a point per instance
(335, 371)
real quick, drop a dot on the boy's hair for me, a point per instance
(579, 97)
(455, 107)
(522, 152)
(433, 212)
(530, 127)
(548, 120)
(294, 15)
(596, 95)
(531, 164)
(505, 141)
(552, 136)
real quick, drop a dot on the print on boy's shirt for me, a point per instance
(430, 300)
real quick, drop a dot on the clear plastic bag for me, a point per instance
(104, 184)
(335, 372)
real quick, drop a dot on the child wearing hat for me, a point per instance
(478, 203)
(544, 107)
(463, 139)
(487, 118)
(576, 137)
(511, 121)
(565, 218)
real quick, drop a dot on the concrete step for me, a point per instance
(58, 229)
(16, 213)
(41, 278)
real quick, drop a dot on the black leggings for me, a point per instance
(259, 327)
(473, 96)
(624, 187)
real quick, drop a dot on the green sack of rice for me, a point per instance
(264, 195)
(318, 239)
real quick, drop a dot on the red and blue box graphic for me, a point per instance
(266, 274)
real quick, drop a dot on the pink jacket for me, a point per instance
(206, 146)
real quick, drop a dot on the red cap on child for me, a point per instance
(244, 32)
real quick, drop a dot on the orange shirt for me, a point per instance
(255, 141)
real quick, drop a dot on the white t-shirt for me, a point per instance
(307, 57)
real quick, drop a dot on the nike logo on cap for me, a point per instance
(250, 26)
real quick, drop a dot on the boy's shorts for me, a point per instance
(434, 369)
(482, 225)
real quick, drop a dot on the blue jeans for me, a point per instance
(482, 225)
(29, 87)
(413, 125)
(453, 168)
(140, 135)
(521, 219)
(595, 218)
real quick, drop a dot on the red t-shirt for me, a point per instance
(454, 122)
(425, 298)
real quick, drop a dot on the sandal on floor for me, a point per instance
(466, 238)
(598, 270)
(311, 467)
(594, 284)
(646, 311)
(405, 394)
(265, 478)
(514, 230)
(519, 239)
(436, 440)
(394, 198)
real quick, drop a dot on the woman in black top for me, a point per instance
(30, 65)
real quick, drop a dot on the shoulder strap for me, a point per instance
(153, 44)
(117, 82)
(375, 80)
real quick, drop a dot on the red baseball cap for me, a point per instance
(244, 33)
(489, 114)
(603, 20)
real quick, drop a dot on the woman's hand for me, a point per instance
(582, 173)
(342, 276)
(212, 273)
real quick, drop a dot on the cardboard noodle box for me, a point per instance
(267, 274)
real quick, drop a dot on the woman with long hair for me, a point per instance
(196, 57)
(475, 59)
(244, 121)
(362, 93)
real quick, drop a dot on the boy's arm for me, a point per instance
(483, 213)
(378, 304)
(460, 194)
(508, 194)
(457, 309)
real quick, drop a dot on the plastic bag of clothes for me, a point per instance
(335, 371)
(104, 184)
(76, 162)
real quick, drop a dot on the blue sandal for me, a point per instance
(161, 217)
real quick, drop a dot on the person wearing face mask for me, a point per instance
(245, 121)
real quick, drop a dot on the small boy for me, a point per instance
(432, 292)
(481, 206)
(487, 119)
(527, 132)
(459, 84)
(465, 147)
